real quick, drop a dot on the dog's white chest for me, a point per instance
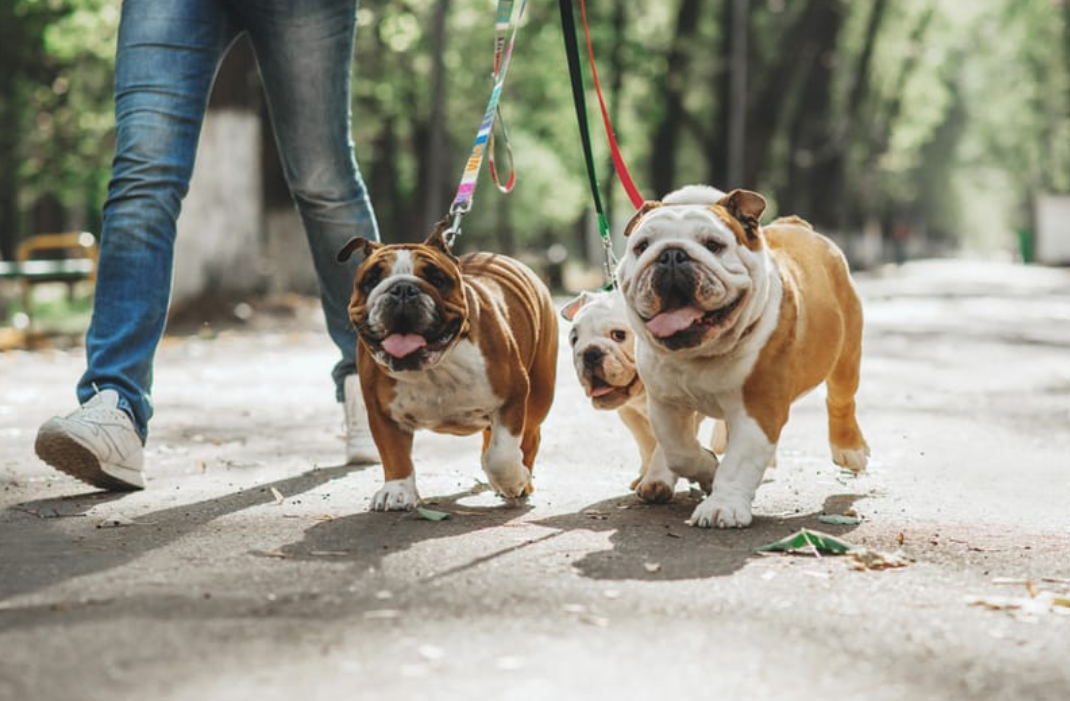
(455, 396)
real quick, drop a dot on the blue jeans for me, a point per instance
(167, 57)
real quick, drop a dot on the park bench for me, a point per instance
(49, 258)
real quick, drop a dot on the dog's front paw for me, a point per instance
(722, 511)
(396, 495)
(511, 482)
(655, 491)
(853, 459)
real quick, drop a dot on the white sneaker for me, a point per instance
(360, 448)
(96, 444)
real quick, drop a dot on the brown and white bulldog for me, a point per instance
(603, 355)
(454, 345)
(736, 321)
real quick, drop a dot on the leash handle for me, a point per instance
(503, 52)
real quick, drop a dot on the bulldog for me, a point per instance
(453, 345)
(603, 354)
(736, 321)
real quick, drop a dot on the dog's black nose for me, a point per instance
(593, 356)
(404, 290)
(674, 257)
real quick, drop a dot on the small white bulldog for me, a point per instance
(736, 321)
(603, 355)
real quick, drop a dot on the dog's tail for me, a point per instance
(793, 219)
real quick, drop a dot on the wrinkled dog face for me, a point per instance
(603, 348)
(408, 302)
(692, 265)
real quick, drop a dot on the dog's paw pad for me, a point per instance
(722, 512)
(655, 492)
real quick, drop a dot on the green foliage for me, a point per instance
(964, 110)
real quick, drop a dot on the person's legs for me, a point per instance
(305, 52)
(168, 52)
(167, 55)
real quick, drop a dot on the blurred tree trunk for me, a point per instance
(619, 24)
(880, 134)
(850, 217)
(771, 86)
(383, 175)
(22, 62)
(715, 143)
(10, 123)
(666, 134)
(812, 151)
(433, 185)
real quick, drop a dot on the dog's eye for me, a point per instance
(572, 338)
(618, 335)
(714, 246)
(640, 246)
(370, 279)
(437, 277)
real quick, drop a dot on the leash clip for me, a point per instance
(457, 210)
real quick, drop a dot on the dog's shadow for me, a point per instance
(648, 542)
(368, 537)
(654, 542)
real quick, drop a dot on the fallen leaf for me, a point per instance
(652, 566)
(431, 514)
(808, 542)
(279, 498)
(839, 520)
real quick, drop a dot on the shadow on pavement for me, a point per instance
(641, 534)
(39, 553)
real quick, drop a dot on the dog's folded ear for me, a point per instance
(365, 246)
(437, 239)
(572, 308)
(639, 214)
(747, 208)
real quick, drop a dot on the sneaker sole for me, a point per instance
(74, 459)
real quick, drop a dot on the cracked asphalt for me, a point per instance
(250, 566)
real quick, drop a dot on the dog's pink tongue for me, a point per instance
(400, 345)
(601, 390)
(668, 323)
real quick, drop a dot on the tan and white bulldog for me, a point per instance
(453, 345)
(603, 355)
(736, 321)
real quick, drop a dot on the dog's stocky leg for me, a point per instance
(737, 479)
(503, 462)
(848, 446)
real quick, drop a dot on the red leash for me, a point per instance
(618, 160)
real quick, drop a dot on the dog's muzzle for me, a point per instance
(592, 357)
(674, 277)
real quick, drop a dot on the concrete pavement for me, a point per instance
(250, 566)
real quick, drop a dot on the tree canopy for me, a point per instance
(943, 116)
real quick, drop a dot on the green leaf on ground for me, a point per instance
(431, 514)
(839, 520)
(808, 542)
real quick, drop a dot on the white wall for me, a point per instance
(1052, 242)
(220, 246)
